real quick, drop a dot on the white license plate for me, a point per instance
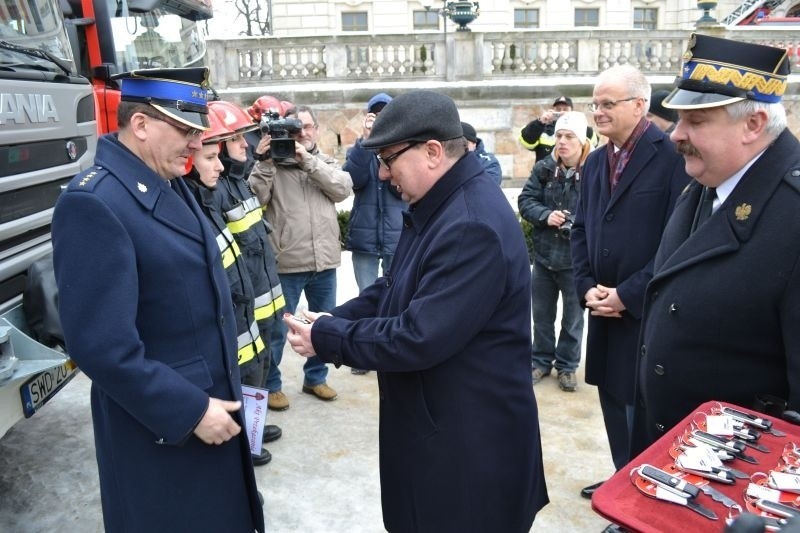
(40, 388)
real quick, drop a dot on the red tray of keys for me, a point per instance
(707, 469)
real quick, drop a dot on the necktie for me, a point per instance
(705, 207)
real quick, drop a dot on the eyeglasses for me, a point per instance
(608, 105)
(387, 161)
(189, 133)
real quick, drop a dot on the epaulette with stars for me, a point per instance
(88, 180)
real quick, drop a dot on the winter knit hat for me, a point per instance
(573, 121)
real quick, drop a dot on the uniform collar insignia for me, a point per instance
(142, 187)
(87, 178)
(743, 212)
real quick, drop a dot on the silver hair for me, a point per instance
(776, 114)
(631, 77)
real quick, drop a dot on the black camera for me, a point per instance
(280, 131)
(565, 229)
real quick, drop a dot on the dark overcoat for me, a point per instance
(448, 330)
(377, 215)
(147, 315)
(614, 240)
(722, 314)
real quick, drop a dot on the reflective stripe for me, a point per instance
(244, 215)
(227, 247)
(268, 304)
(250, 343)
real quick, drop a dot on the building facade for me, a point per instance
(342, 17)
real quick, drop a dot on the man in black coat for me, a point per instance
(721, 313)
(448, 330)
(629, 189)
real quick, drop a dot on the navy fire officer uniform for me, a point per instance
(147, 315)
(448, 330)
(722, 311)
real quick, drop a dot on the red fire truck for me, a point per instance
(113, 36)
(50, 117)
(48, 134)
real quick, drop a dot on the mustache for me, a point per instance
(686, 148)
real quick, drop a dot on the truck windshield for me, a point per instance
(28, 26)
(156, 39)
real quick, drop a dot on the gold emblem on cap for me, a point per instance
(141, 186)
(743, 212)
(687, 55)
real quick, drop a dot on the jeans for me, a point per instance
(320, 291)
(545, 287)
(365, 267)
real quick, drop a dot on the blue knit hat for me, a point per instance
(379, 100)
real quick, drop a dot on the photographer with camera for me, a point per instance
(548, 201)
(539, 135)
(299, 187)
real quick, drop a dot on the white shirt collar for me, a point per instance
(726, 187)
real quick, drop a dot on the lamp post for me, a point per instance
(462, 13)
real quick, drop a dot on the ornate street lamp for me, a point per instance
(706, 19)
(462, 13)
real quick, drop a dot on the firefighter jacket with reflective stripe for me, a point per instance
(251, 347)
(243, 215)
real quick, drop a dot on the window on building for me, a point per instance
(354, 21)
(526, 18)
(645, 18)
(587, 17)
(426, 20)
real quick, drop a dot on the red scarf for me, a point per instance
(618, 159)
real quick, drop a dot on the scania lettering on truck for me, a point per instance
(48, 133)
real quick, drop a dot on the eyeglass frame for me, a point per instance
(189, 133)
(608, 105)
(387, 161)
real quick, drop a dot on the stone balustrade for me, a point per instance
(499, 80)
(457, 56)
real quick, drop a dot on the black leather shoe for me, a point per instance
(614, 528)
(271, 433)
(587, 492)
(263, 458)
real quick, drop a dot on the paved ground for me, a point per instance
(324, 474)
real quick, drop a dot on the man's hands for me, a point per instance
(217, 425)
(262, 146)
(550, 116)
(299, 335)
(604, 301)
(556, 218)
(368, 121)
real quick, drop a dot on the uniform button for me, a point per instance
(795, 173)
(605, 252)
(222, 320)
(659, 370)
(643, 350)
(673, 308)
(609, 217)
(660, 427)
